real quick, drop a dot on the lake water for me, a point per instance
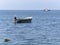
(44, 29)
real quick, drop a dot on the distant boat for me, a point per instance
(46, 10)
(23, 20)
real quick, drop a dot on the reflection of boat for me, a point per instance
(23, 20)
(46, 10)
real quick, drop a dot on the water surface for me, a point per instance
(44, 29)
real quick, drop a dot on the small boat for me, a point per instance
(46, 10)
(6, 40)
(23, 20)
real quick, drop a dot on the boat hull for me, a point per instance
(23, 20)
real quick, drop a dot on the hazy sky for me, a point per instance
(29, 4)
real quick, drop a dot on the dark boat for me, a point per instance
(24, 20)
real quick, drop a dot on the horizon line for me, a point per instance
(29, 9)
